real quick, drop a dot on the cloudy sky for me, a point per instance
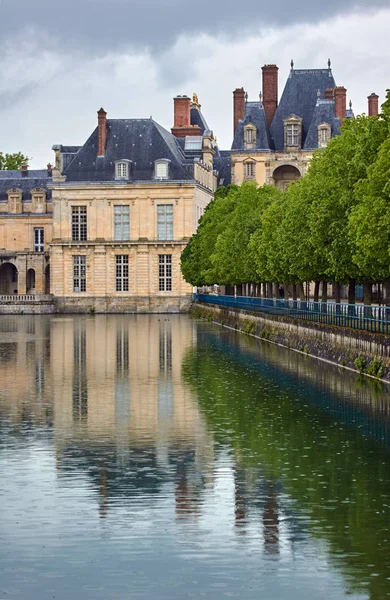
(62, 61)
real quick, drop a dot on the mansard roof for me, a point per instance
(323, 113)
(300, 98)
(254, 114)
(197, 118)
(141, 141)
(15, 179)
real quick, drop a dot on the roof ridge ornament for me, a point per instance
(292, 64)
(350, 104)
(329, 63)
(261, 97)
(246, 96)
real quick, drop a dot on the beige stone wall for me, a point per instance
(143, 248)
(17, 232)
(238, 166)
(266, 164)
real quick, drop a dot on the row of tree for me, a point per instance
(331, 226)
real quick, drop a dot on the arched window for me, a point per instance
(324, 134)
(161, 168)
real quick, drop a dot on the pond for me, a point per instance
(158, 457)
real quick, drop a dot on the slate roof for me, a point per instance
(198, 119)
(222, 163)
(254, 113)
(323, 113)
(141, 141)
(299, 98)
(15, 179)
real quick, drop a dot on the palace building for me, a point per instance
(274, 140)
(103, 230)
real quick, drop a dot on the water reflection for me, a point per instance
(155, 457)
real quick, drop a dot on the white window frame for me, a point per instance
(39, 239)
(165, 272)
(121, 222)
(122, 272)
(79, 224)
(79, 273)
(292, 133)
(121, 170)
(165, 222)
(161, 169)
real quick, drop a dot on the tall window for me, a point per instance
(122, 272)
(39, 239)
(165, 221)
(79, 223)
(121, 222)
(164, 272)
(249, 170)
(79, 274)
(324, 134)
(292, 135)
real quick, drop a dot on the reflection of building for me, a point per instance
(119, 403)
(274, 141)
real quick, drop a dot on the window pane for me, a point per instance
(79, 223)
(38, 239)
(162, 170)
(165, 222)
(79, 273)
(122, 273)
(121, 222)
(165, 272)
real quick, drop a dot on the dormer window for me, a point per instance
(292, 133)
(324, 134)
(122, 169)
(249, 136)
(161, 169)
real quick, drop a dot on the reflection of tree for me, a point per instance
(335, 475)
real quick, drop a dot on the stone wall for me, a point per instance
(360, 351)
(129, 304)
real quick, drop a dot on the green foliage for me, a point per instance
(360, 364)
(376, 368)
(12, 162)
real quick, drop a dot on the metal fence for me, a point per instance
(356, 316)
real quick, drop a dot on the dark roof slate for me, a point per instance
(299, 98)
(254, 113)
(141, 141)
(222, 163)
(15, 179)
(198, 119)
(323, 113)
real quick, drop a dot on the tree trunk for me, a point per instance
(301, 291)
(316, 290)
(386, 286)
(294, 291)
(367, 297)
(352, 291)
(337, 293)
(324, 292)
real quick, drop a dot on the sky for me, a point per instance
(61, 62)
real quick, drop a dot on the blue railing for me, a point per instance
(356, 316)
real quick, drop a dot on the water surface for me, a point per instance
(157, 457)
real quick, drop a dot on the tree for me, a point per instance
(12, 162)
(232, 259)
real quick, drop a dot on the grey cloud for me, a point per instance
(100, 25)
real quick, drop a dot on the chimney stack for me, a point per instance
(49, 170)
(329, 94)
(238, 107)
(182, 111)
(24, 169)
(340, 96)
(102, 131)
(270, 91)
(373, 107)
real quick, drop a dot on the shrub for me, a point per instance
(376, 368)
(360, 364)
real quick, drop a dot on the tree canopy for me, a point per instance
(12, 162)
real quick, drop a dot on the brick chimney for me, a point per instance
(329, 94)
(373, 108)
(102, 131)
(24, 169)
(49, 170)
(270, 91)
(238, 107)
(182, 118)
(340, 96)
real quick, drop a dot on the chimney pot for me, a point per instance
(181, 111)
(270, 91)
(102, 131)
(49, 170)
(373, 106)
(24, 169)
